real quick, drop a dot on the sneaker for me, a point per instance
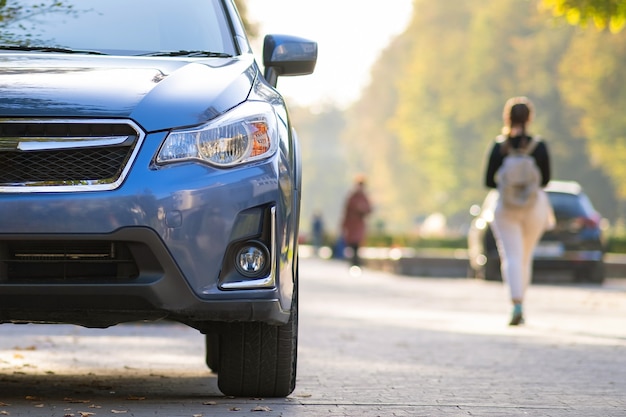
(517, 319)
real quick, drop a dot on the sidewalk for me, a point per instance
(379, 344)
(370, 345)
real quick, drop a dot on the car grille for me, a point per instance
(61, 155)
(72, 261)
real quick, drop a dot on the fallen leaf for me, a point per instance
(72, 400)
(196, 415)
(261, 408)
(3, 404)
(18, 356)
(95, 406)
(32, 398)
(209, 403)
(86, 414)
(234, 409)
(68, 415)
(39, 405)
(4, 413)
(26, 348)
(132, 397)
(119, 411)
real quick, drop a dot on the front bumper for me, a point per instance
(157, 289)
(172, 231)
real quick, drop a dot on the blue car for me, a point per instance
(149, 170)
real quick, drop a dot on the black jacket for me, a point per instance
(496, 156)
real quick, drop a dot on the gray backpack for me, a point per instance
(519, 178)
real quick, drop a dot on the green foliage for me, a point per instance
(603, 14)
(616, 244)
(325, 180)
(251, 27)
(409, 241)
(17, 13)
(422, 128)
(591, 77)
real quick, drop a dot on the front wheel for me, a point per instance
(259, 359)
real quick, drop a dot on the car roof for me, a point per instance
(567, 187)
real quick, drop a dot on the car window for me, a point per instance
(587, 205)
(117, 26)
(566, 205)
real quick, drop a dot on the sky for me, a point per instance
(350, 35)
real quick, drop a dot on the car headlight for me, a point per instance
(244, 134)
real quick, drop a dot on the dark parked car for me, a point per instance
(576, 243)
(149, 170)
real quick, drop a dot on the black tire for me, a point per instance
(471, 272)
(492, 270)
(596, 274)
(259, 359)
(212, 343)
(593, 273)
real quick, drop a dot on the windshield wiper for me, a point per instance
(183, 52)
(48, 49)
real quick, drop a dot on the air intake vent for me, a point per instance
(67, 261)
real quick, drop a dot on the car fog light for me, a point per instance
(251, 260)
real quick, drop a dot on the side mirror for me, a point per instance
(287, 55)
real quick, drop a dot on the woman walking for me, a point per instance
(517, 229)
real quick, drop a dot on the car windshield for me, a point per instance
(121, 27)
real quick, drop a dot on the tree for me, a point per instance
(609, 14)
(324, 181)
(251, 28)
(591, 79)
(422, 127)
(24, 15)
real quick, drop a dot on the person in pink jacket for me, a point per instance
(356, 210)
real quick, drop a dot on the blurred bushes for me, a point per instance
(614, 244)
(416, 242)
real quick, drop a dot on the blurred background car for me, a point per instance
(575, 245)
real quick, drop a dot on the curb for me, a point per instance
(449, 263)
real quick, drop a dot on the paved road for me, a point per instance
(370, 345)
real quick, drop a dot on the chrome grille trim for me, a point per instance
(67, 142)
(46, 144)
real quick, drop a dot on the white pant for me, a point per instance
(517, 233)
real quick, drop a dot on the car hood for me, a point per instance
(157, 93)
